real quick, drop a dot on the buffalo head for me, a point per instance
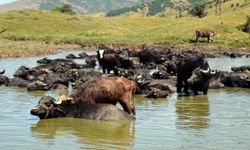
(45, 108)
(48, 107)
(43, 61)
(199, 75)
(199, 81)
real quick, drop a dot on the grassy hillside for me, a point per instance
(37, 30)
(158, 7)
(80, 6)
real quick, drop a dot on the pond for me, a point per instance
(219, 120)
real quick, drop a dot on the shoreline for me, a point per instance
(43, 48)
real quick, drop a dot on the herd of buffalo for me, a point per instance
(154, 72)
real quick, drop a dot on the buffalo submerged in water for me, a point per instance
(48, 107)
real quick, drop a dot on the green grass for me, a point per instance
(43, 27)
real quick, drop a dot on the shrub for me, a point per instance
(246, 26)
(198, 10)
(57, 8)
(66, 8)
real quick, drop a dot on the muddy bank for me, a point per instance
(14, 49)
(33, 48)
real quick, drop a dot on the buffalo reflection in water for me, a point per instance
(193, 112)
(100, 134)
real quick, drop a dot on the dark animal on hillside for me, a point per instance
(185, 68)
(199, 81)
(109, 90)
(48, 108)
(204, 33)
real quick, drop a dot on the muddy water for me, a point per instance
(220, 120)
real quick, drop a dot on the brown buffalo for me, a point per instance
(204, 33)
(109, 90)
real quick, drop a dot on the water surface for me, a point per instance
(219, 120)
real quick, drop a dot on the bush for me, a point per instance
(198, 10)
(66, 8)
(57, 8)
(246, 26)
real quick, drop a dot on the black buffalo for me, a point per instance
(48, 108)
(185, 67)
(199, 81)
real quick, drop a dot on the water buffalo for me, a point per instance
(3, 79)
(114, 61)
(185, 68)
(19, 82)
(204, 33)
(48, 108)
(233, 79)
(241, 69)
(108, 90)
(53, 64)
(22, 72)
(90, 61)
(230, 79)
(151, 55)
(157, 93)
(199, 81)
(38, 85)
(72, 56)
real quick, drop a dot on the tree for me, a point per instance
(246, 26)
(218, 7)
(198, 10)
(67, 8)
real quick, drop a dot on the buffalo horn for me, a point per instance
(2, 72)
(205, 71)
(63, 98)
